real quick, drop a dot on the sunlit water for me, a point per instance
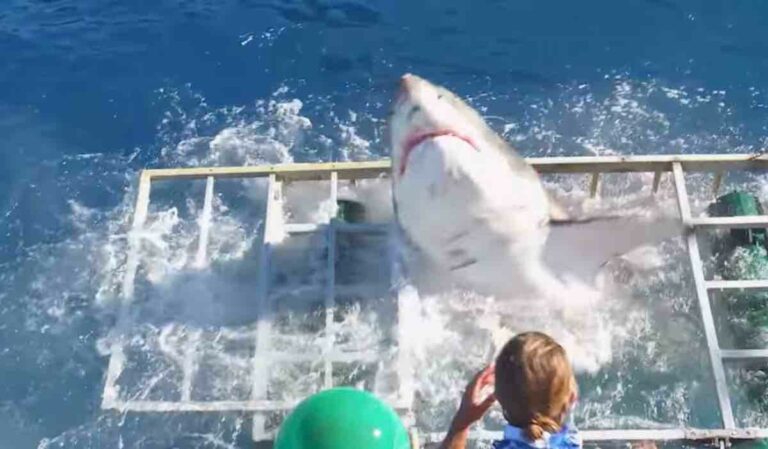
(92, 92)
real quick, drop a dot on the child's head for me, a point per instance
(535, 385)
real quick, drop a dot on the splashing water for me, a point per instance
(647, 342)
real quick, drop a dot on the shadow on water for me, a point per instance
(330, 14)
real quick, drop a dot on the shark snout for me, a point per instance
(405, 90)
(407, 80)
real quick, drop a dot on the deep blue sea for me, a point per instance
(91, 91)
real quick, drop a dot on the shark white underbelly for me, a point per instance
(470, 217)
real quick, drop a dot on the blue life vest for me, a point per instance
(567, 438)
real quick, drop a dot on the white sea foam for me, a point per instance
(646, 339)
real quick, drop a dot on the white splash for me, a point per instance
(653, 370)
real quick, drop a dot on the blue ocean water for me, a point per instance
(92, 91)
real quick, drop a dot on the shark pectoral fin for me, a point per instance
(581, 247)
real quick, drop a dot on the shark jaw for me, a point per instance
(417, 139)
(422, 112)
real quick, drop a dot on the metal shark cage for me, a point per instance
(402, 400)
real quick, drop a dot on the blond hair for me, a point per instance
(534, 383)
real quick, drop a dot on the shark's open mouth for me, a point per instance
(416, 140)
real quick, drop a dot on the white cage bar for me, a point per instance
(594, 167)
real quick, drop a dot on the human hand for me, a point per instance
(476, 400)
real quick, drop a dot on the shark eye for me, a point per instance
(439, 96)
(414, 110)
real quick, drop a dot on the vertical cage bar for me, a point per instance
(264, 307)
(656, 181)
(408, 305)
(594, 184)
(716, 183)
(110, 397)
(710, 332)
(204, 223)
(189, 367)
(134, 243)
(330, 285)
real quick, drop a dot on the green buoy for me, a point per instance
(736, 204)
(743, 256)
(342, 418)
(757, 444)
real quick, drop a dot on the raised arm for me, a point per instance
(474, 404)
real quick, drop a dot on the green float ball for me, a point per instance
(342, 418)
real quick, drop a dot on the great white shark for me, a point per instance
(476, 208)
